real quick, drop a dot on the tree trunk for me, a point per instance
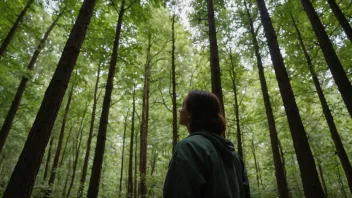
(340, 179)
(5, 129)
(214, 56)
(322, 178)
(90, 137)
(330, 55)
(123, 151)
(100, 147)
(130, 164)
(135, 189)
(59, 144)
(256, 166)
(48, 159)
(341, 18)
(174, 105)
(78, 147)
(63, 194)
(25, 172)
(236, 106)
(144, 125)
(10, 35)
(328, 116)
(278, 163)
(309, 174)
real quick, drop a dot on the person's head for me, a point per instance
(201, 111)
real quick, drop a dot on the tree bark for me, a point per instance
(278, 163)
(216, 87)
(93, 189)
(144, 124)
(123, 151)
(330, 55)
(48, 159)
(236, 106)
(326, 110)
(6, 127)
(90, 137)
(135, 189)
(12, 32)
(309, 174)
(77, 148)
(59, 144)
(130, 164)
(174, 105)
(256, 166)
(25, 172)
(341, 18)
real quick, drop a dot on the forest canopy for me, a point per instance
(90, 92)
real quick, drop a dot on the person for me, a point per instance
(205, 164)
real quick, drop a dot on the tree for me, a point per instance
(100, 147)
(14, 28)
(330, 55)
(326, 110)
(24, 174)
(130, 164)
(309, 174)
(173, 72)
(5, 129)
(279, 166)
(341, 18)
(90, 136)
(214, 55)
(123, 151)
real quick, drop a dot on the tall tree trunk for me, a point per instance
(256, 165)
(341, 18)
(322, 177)
(77, 148)
(236, 106)
(25, 172)
(309, 174)
(339, 179)
(214, 56)
(5, 129)
(123, 151)
(130, 163)
(278, 163)
(135, 189)
(63, 194)
(328, 116)
(100, 147)
(174, 105)
(330, 55)
(59, 144)
(10, 35)
(90, 137)
(48, 159)
(144, 124)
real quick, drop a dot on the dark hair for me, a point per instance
(205, 112)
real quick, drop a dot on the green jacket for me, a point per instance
(206, 165)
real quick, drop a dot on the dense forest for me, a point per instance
(90, 92)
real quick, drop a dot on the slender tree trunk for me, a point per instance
(78, 148)
(309, 174)
(10, 35)
(48, 159)
(5, 129)
(63, 194)
(59, 144)
(93, 189)
(90, 137)
(322, 177)
(256, 165)
(236, 106)
(135, 189)
(144, 125)
(341, 18)
(339, 179)
(26, 170)
(130, 164)
(174, 105)
(123, 151)
(63, 156)
(328, 116)
(330, 55)
(278, 163)
(214, 56)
